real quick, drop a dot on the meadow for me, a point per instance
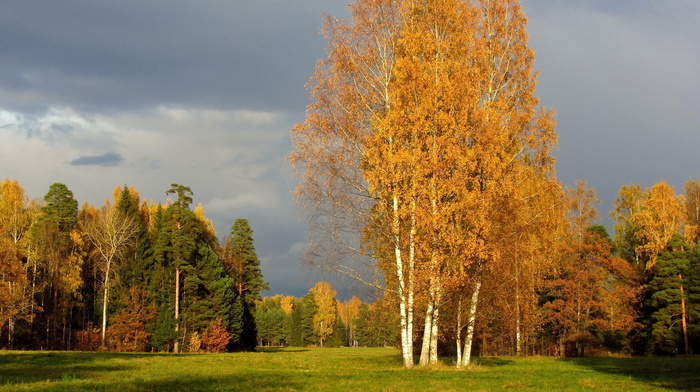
(341, 369)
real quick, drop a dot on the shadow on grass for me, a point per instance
(38, 367)
(281, 349)
(670, 373)
(492, 361)
(224, 382)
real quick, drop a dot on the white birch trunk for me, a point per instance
(434, 334)
(176, 346)
(105, 298)
(469, 339)
(404, 291)
(458, 338)
(427, 334)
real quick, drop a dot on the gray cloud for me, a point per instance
(101, 56)
(108, 159)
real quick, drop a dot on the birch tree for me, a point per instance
(422, 114)
(111, 233)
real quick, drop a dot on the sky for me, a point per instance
(98, 94)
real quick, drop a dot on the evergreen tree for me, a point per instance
(307, 310)
(292, 327)
(208, 295)
(134, 272)
(243, 265)
(672, 299)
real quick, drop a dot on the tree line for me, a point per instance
(426, 171)
(130, 275)
(319, 319)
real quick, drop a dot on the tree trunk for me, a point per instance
(405, 287)
(10, 332)
(458, 338)
(427, 334)
(429, 354)
(684, 320)
(469, 339)
(434, 334)
(105, 298)
(176, 346)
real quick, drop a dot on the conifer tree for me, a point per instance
(242, 264)
(674, 299)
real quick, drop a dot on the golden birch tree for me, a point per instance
(17, 213)
(421, 116)
(326, 310)
(661, 216)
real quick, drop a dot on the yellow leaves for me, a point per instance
(204, 222)
(326, 313)
(661, 216)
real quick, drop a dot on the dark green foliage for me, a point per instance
(270, 322)
(307, 309)
(292, 326)
(134, 270)
(243, 266)
(339, 338)
(673, 286)
(208, 294)
(61, 209)
(375, 327)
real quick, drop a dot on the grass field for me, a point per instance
(342, 369)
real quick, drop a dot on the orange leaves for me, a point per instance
(215, 338)
(423, 126)
(127, 331)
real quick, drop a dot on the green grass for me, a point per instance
(343, 369)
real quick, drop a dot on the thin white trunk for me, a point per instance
(176, 346)
(105, 298)
(469, 339)
(434, 334)
(518, 327)
(404, 291)
(459, 332)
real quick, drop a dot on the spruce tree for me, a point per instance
(243, 265)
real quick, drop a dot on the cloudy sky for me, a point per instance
(97, 94)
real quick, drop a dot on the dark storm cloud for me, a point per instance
(99, 56)
(108, 159)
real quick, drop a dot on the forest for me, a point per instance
(138, 276)
(128, 276)
(426, 172)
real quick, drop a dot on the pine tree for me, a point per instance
(242, 264)
(670, 300)
(134, 270)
